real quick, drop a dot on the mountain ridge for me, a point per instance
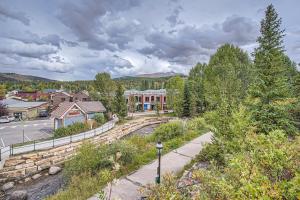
(11, 77)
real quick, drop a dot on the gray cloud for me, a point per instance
(85, 22)
(11, 47)
(128, 36)
(19, 16)
(173, 19)
(189, 43)
(28, 37)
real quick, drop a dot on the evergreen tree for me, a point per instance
(269, 96)
(120, 105)
(186, 101)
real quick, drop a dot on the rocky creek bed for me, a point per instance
(48, 185)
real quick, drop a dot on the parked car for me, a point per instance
(43, 113)
(11, 118)
(4, 119)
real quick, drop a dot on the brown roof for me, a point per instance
(62, 108)
(85, 106)
(91, 106)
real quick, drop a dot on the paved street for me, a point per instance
(128, 187)
(12, 133)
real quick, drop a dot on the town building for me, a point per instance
(32, 95)
(25, 109)
(68, 113)
(146, 100)
(57, 98)
(81, 96)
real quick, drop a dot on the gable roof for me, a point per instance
(91, 106)
(84, 106)
(62, 109)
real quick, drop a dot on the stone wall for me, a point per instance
(24, 166)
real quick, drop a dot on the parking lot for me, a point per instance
(12, 133)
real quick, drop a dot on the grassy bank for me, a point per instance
(93, 167)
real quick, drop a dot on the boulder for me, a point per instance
(54, 170)
(19, 195)
(8, 186)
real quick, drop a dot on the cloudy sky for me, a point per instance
(75, 39)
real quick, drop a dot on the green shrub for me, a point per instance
(169, 131)
(197, 124)
(71, 130)
(99, 118)
(127, 152)
(267, 167)
(90, 158)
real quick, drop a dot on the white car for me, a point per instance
(4, 119)
(11, 118)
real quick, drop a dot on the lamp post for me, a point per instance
(159, 148)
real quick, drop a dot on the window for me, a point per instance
(63, 99)
(165, 99)
(157, 98)
(152, 98)
(84, 99)
(147, 99)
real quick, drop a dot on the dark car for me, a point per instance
(43, 113)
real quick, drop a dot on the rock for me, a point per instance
(27, 179)
(8, 186)
(19, 195)
(54, 170)
(36, 176)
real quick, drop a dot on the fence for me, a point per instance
(5, 152)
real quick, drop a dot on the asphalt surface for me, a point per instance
(12, 133)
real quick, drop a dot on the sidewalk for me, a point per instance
(174, 161)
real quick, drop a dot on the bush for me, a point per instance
(197, 124)
(99, 118)
(126, 151)
(90, 158)
(168, 131)
(166, 190)
(71, 130)
(266, 168)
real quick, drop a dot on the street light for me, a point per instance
(159, 148)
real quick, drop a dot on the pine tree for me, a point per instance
(270, 92)
(186, 101)
(120, 105)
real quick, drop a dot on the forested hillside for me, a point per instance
(13, 77)
(29, 83)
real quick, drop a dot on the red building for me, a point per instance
(148, 99)
(33, 96)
